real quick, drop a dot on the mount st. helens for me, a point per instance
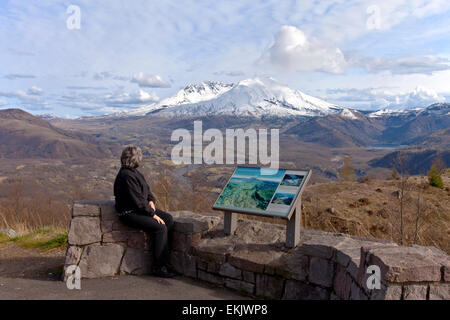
(252, 97)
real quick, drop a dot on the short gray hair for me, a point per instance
(131, 157)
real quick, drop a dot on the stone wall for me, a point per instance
(255, 261)
(101, 246)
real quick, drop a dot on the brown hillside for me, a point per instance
(23, 135)
(372, 208)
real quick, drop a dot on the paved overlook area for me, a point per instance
(114, 288)
(255, 262)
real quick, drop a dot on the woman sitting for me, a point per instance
(136, 208)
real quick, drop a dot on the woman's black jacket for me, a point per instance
(132, 192)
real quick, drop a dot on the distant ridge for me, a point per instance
(23, 135)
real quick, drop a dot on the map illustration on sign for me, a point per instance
(261, 191)
(283, 198)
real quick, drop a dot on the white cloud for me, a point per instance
(102, 75)
(24, 100)
(21, 52)
(93, 103)
(292, 50)
(85, 88)
(230, 73)
(108, 110)
(106, 75)
(3, 103)
(149, 81)
(18, 94)
(35, 91)
(15, 76)
(420, 97)
(125, 98)
(380, 98)
(403, 65)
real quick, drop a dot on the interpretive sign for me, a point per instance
(264, 192)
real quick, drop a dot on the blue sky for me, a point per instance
(127, 54)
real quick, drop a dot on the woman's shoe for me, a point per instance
(163, 272)
(170, 268)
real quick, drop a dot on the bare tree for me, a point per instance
(418, 213)
(348, 171)
(439, 163)
(403, 190)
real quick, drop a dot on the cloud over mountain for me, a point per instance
(149, 81)
(292, 50)
(138, 97)
(379, 98)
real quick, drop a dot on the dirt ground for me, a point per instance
(18, 262)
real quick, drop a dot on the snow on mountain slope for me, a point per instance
(349, 114)
(191, 94)
(385, 112)
(252, 97)
(403, 112)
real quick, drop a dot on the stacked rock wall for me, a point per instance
(102, 246)
(255, 262)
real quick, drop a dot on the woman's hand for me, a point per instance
(161, 221)
(152, 205)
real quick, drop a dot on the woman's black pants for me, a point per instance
(160, 232)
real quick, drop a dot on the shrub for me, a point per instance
(434, 177)
(395, 175)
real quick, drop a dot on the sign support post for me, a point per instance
(229, 222)
(293, 226)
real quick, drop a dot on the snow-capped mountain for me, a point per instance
(386, 112)
(438, 109)
(434, 109)
(252, 97)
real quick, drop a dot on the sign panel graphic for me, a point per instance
(261, 191)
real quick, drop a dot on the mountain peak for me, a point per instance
(205, 86)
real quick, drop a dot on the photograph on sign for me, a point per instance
(261, 191)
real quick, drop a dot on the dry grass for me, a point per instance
(372, 209)
(25, 214)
